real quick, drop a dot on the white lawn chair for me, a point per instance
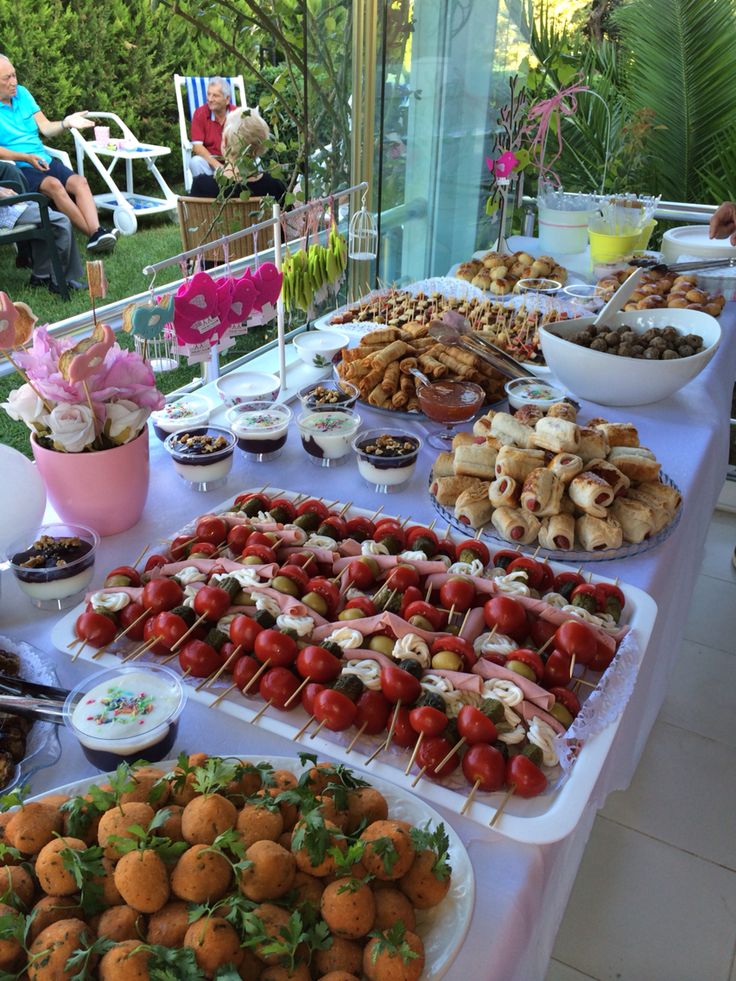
(195, 88)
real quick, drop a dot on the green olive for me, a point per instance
(285, 585)
(561, 714)
(518, 667)
(118, 581)
(352, 613)
(316, 603)
(420, 621)
(371, 563)
(447, 661)
(251, 560)
(381, 643)
(243, 599)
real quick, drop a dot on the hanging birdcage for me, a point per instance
(363, 239)
(161, 352)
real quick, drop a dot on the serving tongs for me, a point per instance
(455, 329)
(644, 262)
(44, 703)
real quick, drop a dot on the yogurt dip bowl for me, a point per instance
(126, 713)
(202, 456)
(317, 348)
(247, 386)
(191, 410)
(261, 428)
(327, 435)
(532, 391)
(386, 458)
(54, 566)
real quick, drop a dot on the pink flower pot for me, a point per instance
(105, 491)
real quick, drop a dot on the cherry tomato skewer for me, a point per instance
(122, 633)
(223, 667)
(298, 692)
(356, 737)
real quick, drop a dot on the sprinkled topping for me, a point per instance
(121, 706)
(180, 410)
(325, 422)
(260, 420)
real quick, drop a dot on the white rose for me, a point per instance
(72, 427)
(124, 420)
(24, 405)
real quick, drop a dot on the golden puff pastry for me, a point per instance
(475, 460)
(517, 463)
(637, 462)
(509, 429)
(619, 433)
(565, 466)
(541, 492)
(473, 507)
(593, 444)
(618, 481)
(637, 519)
(504, 492)
(516, 525)
(448, 489)
(591, 493)
(563, 410)
(598, 534)
(557, 531)
(557, 435)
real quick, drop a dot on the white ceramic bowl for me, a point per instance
(609, 379)
(693, 240)
(247, 386)
(318, 347)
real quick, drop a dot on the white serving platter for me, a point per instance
(549, 817)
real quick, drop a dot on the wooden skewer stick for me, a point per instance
(318, 729)
(122, 633)
(143, 649)
(478, 533)
(434, 522)
(355, 738)
(379, 749)
(221, 696)
(256, 676)
(502, 807)
(448, 756)
(414, 752)
(572, 665)
(345, 508)
(546, 644)
(291, 698)
(582, 681)
(27, 380)
(419, 776)
(143, 552)
(469, 798)
(447, 532)
(79, 650)
(536, 551)
(73, 643)
(428, 593)
(303, 729)
(376, 513)
(175, 647)
(264, 708)
(465, 620)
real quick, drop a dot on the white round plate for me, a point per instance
(442, 928)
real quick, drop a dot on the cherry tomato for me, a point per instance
(359, 528)
(576, 639)
(610, 599)
(403, 577)
(262, 552)
(540, 631)
(567, 698)
(359, 574)
(422, 539)
(296, 573)
(211, 602)
(388, 526)
(123, 575)
(525, 776)
(458, 645)
(334, 709)
(128, 615)
(273, 646)
(529, 657)
(282, 510)
(565, 582)
(475, 727)
(180, 547)
(586, 597)
(155, 561)
(202, 550)
(404, 736)
(609, 589)
(243, 670)
(399, 686)
(260, 501)
(161, 594)
(334, 527)
(362, 603)
(557, 669)
(445, 547)
(534, 572)
(199, 658)
(548, 577)
(243, 632)
(411, 595)
(433, 751)
(427, 720)
(225, 652)
(278, 685)
(602, 657)
(503, 558)
(485, 764)
(212, 529)
(318, 664)
(479, 550)
(260, 538)
(303, 559)
(421, 609)
(373, 711)
(311, 506)
(309, 693)
(96, 628)
(508, 615)
(237, 538)
(327, 590)
(169, 627)
(459, 593)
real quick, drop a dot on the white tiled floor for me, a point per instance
(655, 897)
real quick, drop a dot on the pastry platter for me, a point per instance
(581, 751)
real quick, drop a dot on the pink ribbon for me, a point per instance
(543, 111)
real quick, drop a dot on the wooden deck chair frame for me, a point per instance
(187, 87)
(203, 220)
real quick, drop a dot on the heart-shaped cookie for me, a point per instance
(8, 318)
(85, 358)
(24, 323)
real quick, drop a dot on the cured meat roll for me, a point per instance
(475, 460)
(557, 435)
(516, 525)
(618, 481)
(473, 508)
(447, 489)
(637, 462)
(504, 492)
(516, 463)
(509, 430)
(565, 466)
(542, 492)
(597, 534)
(557, 531)
(637, 519)
(619, 433)
(593, 444)
(591, 493)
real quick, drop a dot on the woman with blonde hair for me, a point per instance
(244, 135)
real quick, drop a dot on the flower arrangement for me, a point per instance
(85, 396)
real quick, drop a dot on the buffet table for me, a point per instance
(517, 885)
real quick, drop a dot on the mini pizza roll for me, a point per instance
(443, 465)
(504, 492)
(509, 430)
(557, 435)
(475, 460)
(516, 525)
(618, 481)
(473, 507)
(542, 492)
(591, 493)
(565, 466)
(563, 410)
(593, 444)
(619, 433)
(557, 531)
(598, 534)
(446, 490)
(517, 463)
(637, 519)
(637, 462)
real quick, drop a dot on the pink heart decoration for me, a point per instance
(196, 316)
(87, 363)
(8, 317)
(268, 280)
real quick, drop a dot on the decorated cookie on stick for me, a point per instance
(17, 321)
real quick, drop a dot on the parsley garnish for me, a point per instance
(394, 942)
(82, 956)
(435, 841)
(85, 866)
(385, 849)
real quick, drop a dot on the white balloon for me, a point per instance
(22, 497)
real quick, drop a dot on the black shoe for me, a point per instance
(103, 240)
(46, 282)
(24, 256)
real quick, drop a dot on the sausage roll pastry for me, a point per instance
(504, 492)
(655, 490)
(563, 410)
(557, 435)
(447, 489)
(565, 466)
(542, 492)
(591, 493)
(482, 426)
(462, 439)
(597, 534)
(516, 525)
(475, 460)
(637, 462)
(593, 444)
(530, 415)
(443, 465)
(473, 508)
(637, 519)
(509, 430)
(516, 463)
(602, 468)
(619, 433)
(557, 531)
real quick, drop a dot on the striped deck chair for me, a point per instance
(191, 92)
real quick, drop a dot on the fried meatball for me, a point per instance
(271, 874)
(53, 876)
(17, 881)
(392, 905)
(52, 948)
(279, 973)
(120, 923)
(143, 880)
(168, 925)
(365, 804)
(206, 817)
(10, 949)
(389, 849)
(327, 865)
(33, 826)
(273, 919)
(342, 955)
(144, 778)
(256, 822)
(214, 943)
(125, 962)
(201, 875)
(348, 912)
(423, 887)
(386, 965)
(115, 823)
(51, 909)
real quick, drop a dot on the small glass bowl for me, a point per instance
(386, 474)
(261, 428)
(191, 410)
(57, 587)
(532, 391)
(586, 296)
(337, 394)
(126, 713)
(327, 435)
(203, 471)
(247, 386)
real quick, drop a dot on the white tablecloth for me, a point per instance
(521, 889)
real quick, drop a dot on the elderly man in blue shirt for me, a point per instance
(22, 124)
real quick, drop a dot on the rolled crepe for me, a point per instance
(504, 492)
(598, 534)
(516, 525)
(637, 462)
(510, 431)
(619, 433)
(565, 466)
(637, 519)
(593, 444)
(591, 493)
(557, 435)
(473, 508)
(517, 463)
(542, 492)
(475, 460)
(557, 531)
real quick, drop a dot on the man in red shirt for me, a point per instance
(207, 123)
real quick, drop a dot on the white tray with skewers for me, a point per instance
(548, 817)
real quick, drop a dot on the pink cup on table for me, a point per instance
(102, 134)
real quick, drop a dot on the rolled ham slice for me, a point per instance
(531, 691)
(460, 680)
(530, 711)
